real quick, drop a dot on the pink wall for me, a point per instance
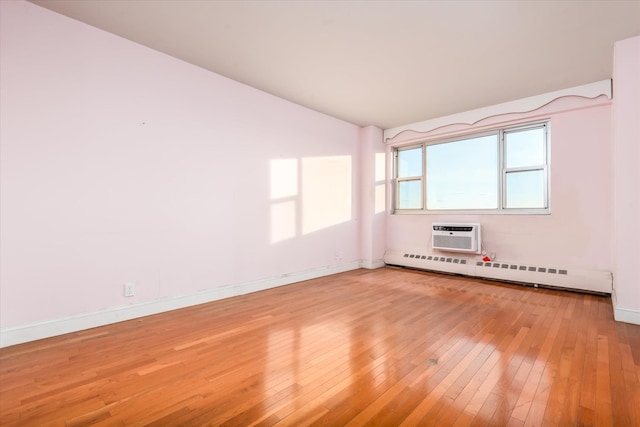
(123, 164)
(372, 197)
(578, 231)
(626, 161)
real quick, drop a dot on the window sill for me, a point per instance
(473, 212)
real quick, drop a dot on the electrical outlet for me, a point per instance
(129, 289)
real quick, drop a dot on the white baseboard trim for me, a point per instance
(35, 331)
(621, 314)
(626, 315)
(372, 264)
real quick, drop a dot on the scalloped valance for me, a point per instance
(420, 130)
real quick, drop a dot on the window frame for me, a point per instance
(399, 180)
(502, 172)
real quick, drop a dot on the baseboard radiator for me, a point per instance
(595, 281)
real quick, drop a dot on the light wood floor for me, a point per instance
(385, 347)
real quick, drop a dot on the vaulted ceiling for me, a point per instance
(382, 63)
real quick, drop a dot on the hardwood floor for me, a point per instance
(386, 347)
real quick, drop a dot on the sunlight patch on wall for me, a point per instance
(283, 221)
(284, 178)
(379, 202)
(380, 167)
(284, 192)
(380, 187)
(326, 192)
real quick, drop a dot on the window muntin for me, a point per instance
(504, 171)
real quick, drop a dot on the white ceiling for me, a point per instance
(382, 63)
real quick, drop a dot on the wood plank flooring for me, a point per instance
(384, 347)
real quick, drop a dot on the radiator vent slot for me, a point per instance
(494, 264)
(522, 267)
(435, 258)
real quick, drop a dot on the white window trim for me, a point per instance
(502, 172)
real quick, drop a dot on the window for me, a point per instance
(409, 175)
(504, 171)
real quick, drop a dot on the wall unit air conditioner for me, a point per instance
(456, 237)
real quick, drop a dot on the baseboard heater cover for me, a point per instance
(597, 281)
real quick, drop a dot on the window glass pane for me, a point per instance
(463, 174)
(525, 189)
(410, 194)
(410, 162)
(524, 148)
